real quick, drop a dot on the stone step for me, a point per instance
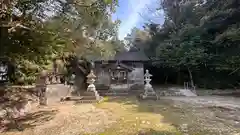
(88, 93)
(124, 90)
(87, 101)
(121, 92)
(71, 98)
(78, 98)
(88, 98)
(102, 93)
(136, 91)
(115, 94)
(170, 93)
(82, 99)
(149, 97)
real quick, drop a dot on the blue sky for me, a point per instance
(134, 13)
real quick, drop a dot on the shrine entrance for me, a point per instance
(119, 77)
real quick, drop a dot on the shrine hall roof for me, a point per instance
(118, 66)
(132, 55)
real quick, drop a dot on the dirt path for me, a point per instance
(219, 101)
(65, 119)
(217, 115)
(203, 115)
(169, 115)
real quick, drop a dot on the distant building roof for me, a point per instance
(118, 66)
(133, 54)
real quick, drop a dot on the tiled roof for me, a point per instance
(131, 56)
(134, 55)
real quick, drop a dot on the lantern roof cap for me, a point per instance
(91, 75)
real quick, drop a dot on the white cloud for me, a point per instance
(138, 7)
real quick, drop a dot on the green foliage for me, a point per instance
(35, 32)
(202, 36)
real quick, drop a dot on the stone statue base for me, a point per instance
(92, 89)
(89, 96)
(149, 94)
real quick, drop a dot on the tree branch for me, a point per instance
(234, 71)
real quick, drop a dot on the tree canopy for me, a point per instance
(199, 36)
(35, 32)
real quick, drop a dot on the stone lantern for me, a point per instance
(91, 87)
(147, 78)
(91, 78)
(148, 89)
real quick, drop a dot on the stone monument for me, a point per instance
(149, 92)
(91, 87)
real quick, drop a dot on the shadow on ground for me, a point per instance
(31, 120)
(192, 118)
(164, 107)
(134, 117)
(154, 132)
(230, 94)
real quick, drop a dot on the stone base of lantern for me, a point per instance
(91, 95)
(148, 97)
(86, 97)
(149, 93)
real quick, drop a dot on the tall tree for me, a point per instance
(36, 31)
(199, 36)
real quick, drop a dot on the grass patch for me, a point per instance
(162, 117)
(132, 121)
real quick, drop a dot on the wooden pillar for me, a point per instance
(179, 77)
(110, 77)
(127, 80)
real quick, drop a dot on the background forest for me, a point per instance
(35, 32)
(198, 41)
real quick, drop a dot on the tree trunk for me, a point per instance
(179, 78)
(80, 83)
(191, 78)
(166, 79)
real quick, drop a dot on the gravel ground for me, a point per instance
(220, 101)
(218, 115)
(65, 119)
